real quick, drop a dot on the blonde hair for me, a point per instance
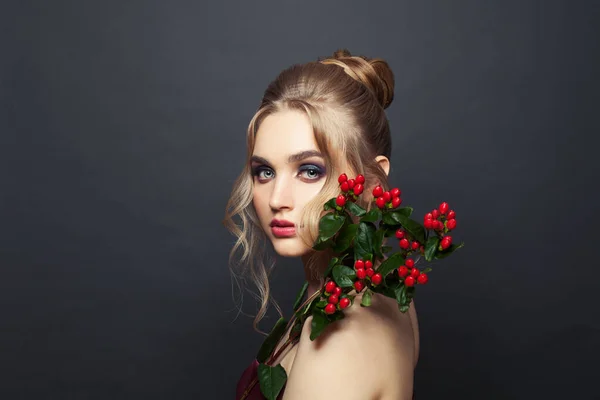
(344, 97)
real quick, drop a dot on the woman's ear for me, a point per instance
(384, 163)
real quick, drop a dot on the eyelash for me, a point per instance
(256, 171)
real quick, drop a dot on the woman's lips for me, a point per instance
(283, 231)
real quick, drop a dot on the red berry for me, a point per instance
(387, 196)
(368, 264)
(395, 192)
(376, 279)
(333, 299)
(404, 244)
(422, 279)
(437, 224)
(402, 271)
(409, 263)
(359, 264)
(341, 200)
(399, 234)
(377, 191)
(451, 214)
(415, 272)
(345, 302)
(422, 249)
(409, 281)
(330, 287)
(443, 208)
(351, 183)
(435, 214)
(396, 201)
(451, 224)
(428, 223)
(342, 178)
(428, 216)
(446, 242)
(415, 245)
(380, 202)
(329, 309)
(344, 187)
(359, 285)
(337, 291)
(360, 179)
(370, 272)
(361, 273)
(358, 189)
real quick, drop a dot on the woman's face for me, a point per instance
(288, 171)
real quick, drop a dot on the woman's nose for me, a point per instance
(282, 196)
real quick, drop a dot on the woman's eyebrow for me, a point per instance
(291, 159)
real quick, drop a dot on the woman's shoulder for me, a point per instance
(375, 343)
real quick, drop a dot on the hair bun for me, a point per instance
(374, 73)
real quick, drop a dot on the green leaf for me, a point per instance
(403, 309)
(321, 304)
(373, 215)
(343, 275)
(271, 341)
(377, 242)
(332, 263)
(391, 219)
(355, 209)
(366, 299)
(426, 270)
(431, 247)
(391, 263)
(322, 244)
(330, 204)
(363, 243)
(329, 225)
(318, 324)
(300, 295)
(400, 292)
(345, 237)
(395, 217)
(416, 230)
(406, 211)
(448, 251)
(271, 379)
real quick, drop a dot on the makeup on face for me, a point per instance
(287, 171)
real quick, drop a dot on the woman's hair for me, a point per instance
(344, 97)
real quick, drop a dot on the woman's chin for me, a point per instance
(292, 247)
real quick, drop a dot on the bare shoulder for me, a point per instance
(367, 355)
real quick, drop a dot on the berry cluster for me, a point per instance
(389, 199)
(351, 189)
(411, 274)
(406, 244)
(334, 292)
(442, 221)
(364, 270)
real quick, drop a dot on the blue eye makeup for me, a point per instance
(309, 172)
(312, 172)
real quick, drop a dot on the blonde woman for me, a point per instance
(316, 121)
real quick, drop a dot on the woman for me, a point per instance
(316, 121)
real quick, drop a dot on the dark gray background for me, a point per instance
(122, 129)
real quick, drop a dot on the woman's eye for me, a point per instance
(312, 172)
(265, 174)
